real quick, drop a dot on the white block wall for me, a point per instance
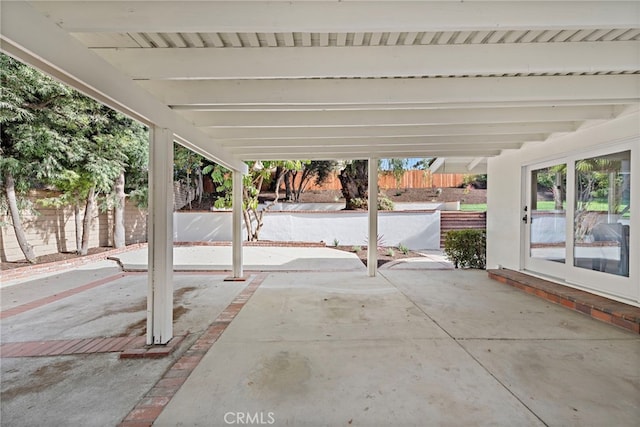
(416, 230)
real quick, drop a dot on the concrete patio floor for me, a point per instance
(407, 348)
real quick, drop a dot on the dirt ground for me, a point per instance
(44, 259)
(463, 195)
(385, 253)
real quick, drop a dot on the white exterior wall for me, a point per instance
(505, 190)
(416, 230)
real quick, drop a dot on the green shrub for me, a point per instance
(385, 204)
(466, 248)
(402, 248)
(336, 242)
(390, 252)
(356, 248)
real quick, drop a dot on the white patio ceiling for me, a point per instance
(240, 80)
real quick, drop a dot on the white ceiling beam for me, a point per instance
(475, 162)
(437, 164)
(369, 91)
(382, 141)
(301, 150)
(320, 154)
(398, 117)
(31, 38)
(375, 61)
(336, 17)
(401, 106)
(388, 131)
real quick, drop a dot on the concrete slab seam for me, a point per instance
(459, 343)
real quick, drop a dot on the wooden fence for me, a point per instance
(410, 179)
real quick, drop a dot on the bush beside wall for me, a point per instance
(466, 248)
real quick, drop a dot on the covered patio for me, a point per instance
(508, 88)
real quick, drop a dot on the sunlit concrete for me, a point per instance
(398, 349)
(270, 258)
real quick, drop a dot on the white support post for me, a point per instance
(372, 247)
(237, 225)
(160, 236)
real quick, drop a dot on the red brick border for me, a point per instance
(153, 403)
(53, 298)
(67, 347)
(606, 310)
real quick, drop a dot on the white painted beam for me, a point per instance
(332, 16)
(375, 61)
(475, 162)
(437, 164)
(326, 154)
(398, 91)
(160, 236)
(401, 105)
(372, 245)
(237, 225)
(245, 145)
(301, 150)
(228, 134)
(31, 38)
(390, 118)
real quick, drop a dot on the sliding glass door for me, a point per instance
(578, 220)
(545, 218)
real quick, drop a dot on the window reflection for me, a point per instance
(548, 213)
(602, 213)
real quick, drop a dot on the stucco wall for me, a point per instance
(504, 193)
(51, 230)
(416, 230)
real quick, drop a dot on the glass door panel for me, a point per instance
(548, 215)
(602, 217)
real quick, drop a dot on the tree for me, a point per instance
(134, 143)
(397, 167)
(259, 171)
(33, 110)
(187, 170)
(354, 179)
(315, 171)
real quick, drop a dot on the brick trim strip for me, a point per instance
(67, 347)
(153, 403)
(56, 297)
(606, 310)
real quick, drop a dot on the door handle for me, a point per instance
(524, 218)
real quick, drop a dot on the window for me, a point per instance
(548, 213)
(602, 213)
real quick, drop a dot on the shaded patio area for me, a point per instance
(408, 347)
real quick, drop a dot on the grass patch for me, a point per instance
(473, 207)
